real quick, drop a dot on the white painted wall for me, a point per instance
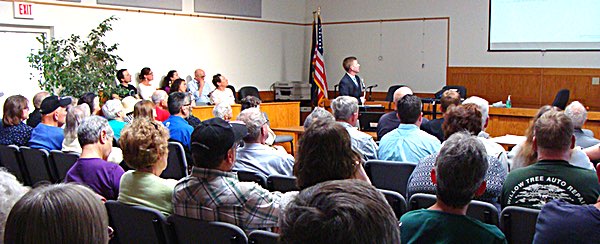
(468, 37)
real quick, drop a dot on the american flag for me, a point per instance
(317, 67)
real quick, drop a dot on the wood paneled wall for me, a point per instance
(529, 87)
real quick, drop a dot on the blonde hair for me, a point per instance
(143, 143)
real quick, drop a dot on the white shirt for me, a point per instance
(218, 96)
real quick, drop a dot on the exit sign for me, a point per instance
(23, 10)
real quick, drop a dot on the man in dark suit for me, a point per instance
(351, 84)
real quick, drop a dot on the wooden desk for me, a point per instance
(281, 114)
(514, 121)
(297, 131)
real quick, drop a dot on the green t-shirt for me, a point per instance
(546, 180)
(146, 189)
(431, 226)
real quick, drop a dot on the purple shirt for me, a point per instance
(103, 177)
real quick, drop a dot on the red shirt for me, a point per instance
(161, 114)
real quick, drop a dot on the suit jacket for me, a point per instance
(348, 88)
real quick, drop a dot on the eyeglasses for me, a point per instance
(189, 104)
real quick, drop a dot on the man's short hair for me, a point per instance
(120, 75)
(176, 101)
(339, 211)
(460, 169)
(578, 114)
(254, 120)
(250, 102)
(39, 97)
(449, 97)
(319, 114)
(89, 131)
(460, 118)
(553, 131)
(401, 92)
(222, 110)
(484, 107)
(158, 96)
(408, 109)
(348, 62)
(216, 79)
(344, 107)
(111, 108)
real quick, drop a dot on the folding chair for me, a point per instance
(61, 162)
(282, 183)
(36, 162)
(390, 175)
(189, 230)
(252, 177)
(10, 158)
(176, 162)
(263, 237)
(138, 224)
(518, 224)
(396, 201)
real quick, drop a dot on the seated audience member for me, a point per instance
(578, 114)
(318, 114)
(35, 117)
(562, 222)
(552, 177)
(178, 85)
(128, 104)
(168, 81)
(345, 111)
(75, 116)
(458, 176)
(14, 131)
(60, 213)
(459, 118)
(340, 211)
(48, 134)
(160, 98)
(125, 89)
(254, 102)
(408, 143)
(11, 190)
(179, 108)
(390, 121)
(434, 127)
(199, 89)
(493, 149)
(523, 154)
(113, 112)
(255, 155)
(221, 93)
(145, 87)
(92, 169)
(144, 110)
(223, 111)
(145, 149)
(212, 192)
(92, 100)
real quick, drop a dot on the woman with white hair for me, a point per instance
(11, 190)
(223, 111)
(113, 112)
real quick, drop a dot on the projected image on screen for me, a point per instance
(550, 25)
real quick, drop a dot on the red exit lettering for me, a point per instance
(24, 9)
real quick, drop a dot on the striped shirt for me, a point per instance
(214, 195)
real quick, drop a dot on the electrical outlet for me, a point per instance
(596, 81)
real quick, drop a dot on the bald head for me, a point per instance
(199, 74)
(401, 92)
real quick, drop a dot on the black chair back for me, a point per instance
(248, 91)
(390, 93)
(263, 237)
(176, 162)
(368, 120)
(138, 224)
(36, 161)
(189, 230)
(396, 201)
(249, 176)
(390, 175)
(483, 211)
(561, 99)
(10, 158)
(282, 183)
(234, 93)
(518, 224)
(61, 162)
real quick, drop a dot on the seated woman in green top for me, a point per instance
(145, 149)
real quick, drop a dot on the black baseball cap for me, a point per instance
(51, 103)
(216, 136)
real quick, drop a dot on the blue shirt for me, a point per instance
(201, 97)
(179, 129)
(407, 143)
(46, 137)
(116, 126)
(263, 159)
(562, 222)
(361, 142)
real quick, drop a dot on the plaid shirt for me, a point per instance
(214, 195)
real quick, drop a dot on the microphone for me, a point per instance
(371, 87)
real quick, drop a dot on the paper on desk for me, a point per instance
(509, 139)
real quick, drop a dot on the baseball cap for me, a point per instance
(51, 103)
(216, 136)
